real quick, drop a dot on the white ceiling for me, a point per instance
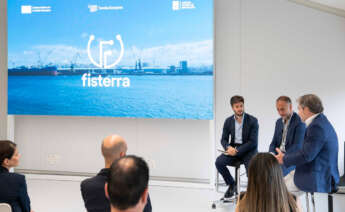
(339, 4)
(336, 7)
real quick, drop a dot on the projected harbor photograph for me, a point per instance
(158, 66)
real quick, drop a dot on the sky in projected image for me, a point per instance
(123, 58)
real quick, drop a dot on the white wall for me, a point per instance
(178, 148)
(285, 49)
(263, 49)
(291, 49)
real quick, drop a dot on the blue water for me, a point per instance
(180, 97)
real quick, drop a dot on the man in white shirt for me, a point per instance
(317, 162)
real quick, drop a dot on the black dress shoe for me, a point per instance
(230, 192)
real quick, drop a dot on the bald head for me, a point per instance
(113, 147)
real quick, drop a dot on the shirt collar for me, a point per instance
(311, 119)
(288, 119)
(242, 117)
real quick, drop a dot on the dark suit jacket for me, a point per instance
(294, 138)
(249, 135)
(317, 162)
(13, 191)
(93, 193)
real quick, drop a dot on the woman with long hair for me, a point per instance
(13, 188)
(266, 190)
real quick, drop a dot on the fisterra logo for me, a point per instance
(89, 80)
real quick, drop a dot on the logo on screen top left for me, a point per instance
(26, 9)
(104, 55)
(29, 9)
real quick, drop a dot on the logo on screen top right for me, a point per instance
(176, 5)
(182, 5)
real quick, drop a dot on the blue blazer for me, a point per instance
(92, 190)
(13, 191)
(317, 162)
(294, 138)
(250, 133)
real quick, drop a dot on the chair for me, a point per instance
(330, 195)
(312, 201)
(237, 165)
(330, 201)
(4, 207)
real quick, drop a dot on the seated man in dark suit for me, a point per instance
(127, 187)
(13, 188)
(92, 189)
(289, 131)
(239, 140)
(317, 162)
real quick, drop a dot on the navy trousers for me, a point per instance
(224, 160)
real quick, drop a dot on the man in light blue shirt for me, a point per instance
(239, 140)
(238, 129)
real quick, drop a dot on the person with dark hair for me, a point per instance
(236, 99)
(266, 191)
(289, 130)
(13, 189)
(317, 162)
(92, 189)
(127, 187)
(239, 140)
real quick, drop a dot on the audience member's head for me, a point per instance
(113, 147)
(284, 107)
(237, 105)
(127, 187)
(9, 156)
(308, 105)
(266, 190)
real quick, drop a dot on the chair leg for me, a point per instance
(313, 202)
(330, 203)
(217, 181)
(307, 201)
(238, 181)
